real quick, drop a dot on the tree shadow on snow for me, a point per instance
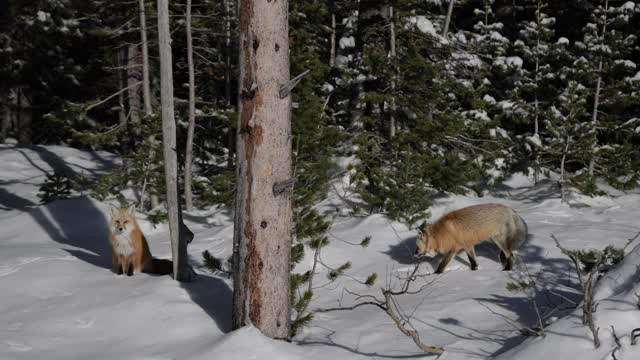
(329, 341)
(214, 296)
(76, 223)
(82, 228)
(457, 328)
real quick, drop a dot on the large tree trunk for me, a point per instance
(263, 217)
(188, 159)
(181, 271)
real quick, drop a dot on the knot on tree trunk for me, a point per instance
(281, 187)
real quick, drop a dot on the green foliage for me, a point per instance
(520, 285)
(599, 259)
(157, 217)
(216, 189)
(56, 186)
(366, 241)
(297, 254)
(213, 263)
(334, 273)
(371, 280)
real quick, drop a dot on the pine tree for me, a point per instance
(534, 89)
(607, 40)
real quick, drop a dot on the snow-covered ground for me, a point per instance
(59, 300)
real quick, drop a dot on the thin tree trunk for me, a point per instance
(596, 100)
(121, 55)
(188, 161)
(263, 218)
(181, 270)
(231, 136)
(6, 123)
(562, 171)
(447, 20)
(535, 102)
(227, 62)
(392, 55)
(146, 92)
(332, 52)
(23, 118)
(134, 90)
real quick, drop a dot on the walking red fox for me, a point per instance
(462, 229)
(129, 248)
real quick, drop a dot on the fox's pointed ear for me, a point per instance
(114, 211)
(132, 209)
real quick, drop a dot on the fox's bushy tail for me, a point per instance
(161, 266)
(522, 231)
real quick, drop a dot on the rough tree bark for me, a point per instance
(188, 158)
(177, 229)
(263, 217)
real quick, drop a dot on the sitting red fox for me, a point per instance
(129, 249)
(463, 228)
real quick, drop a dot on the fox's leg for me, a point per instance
(508, 262)
(505, 252)
(124, 265)
(445, 261)
(471, 254)
(506, 258)
(503, 257)
(129, 267)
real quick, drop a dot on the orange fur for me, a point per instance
(129, 248)
(462, 229)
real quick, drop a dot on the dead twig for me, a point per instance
(390, 306)
(617, 341)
